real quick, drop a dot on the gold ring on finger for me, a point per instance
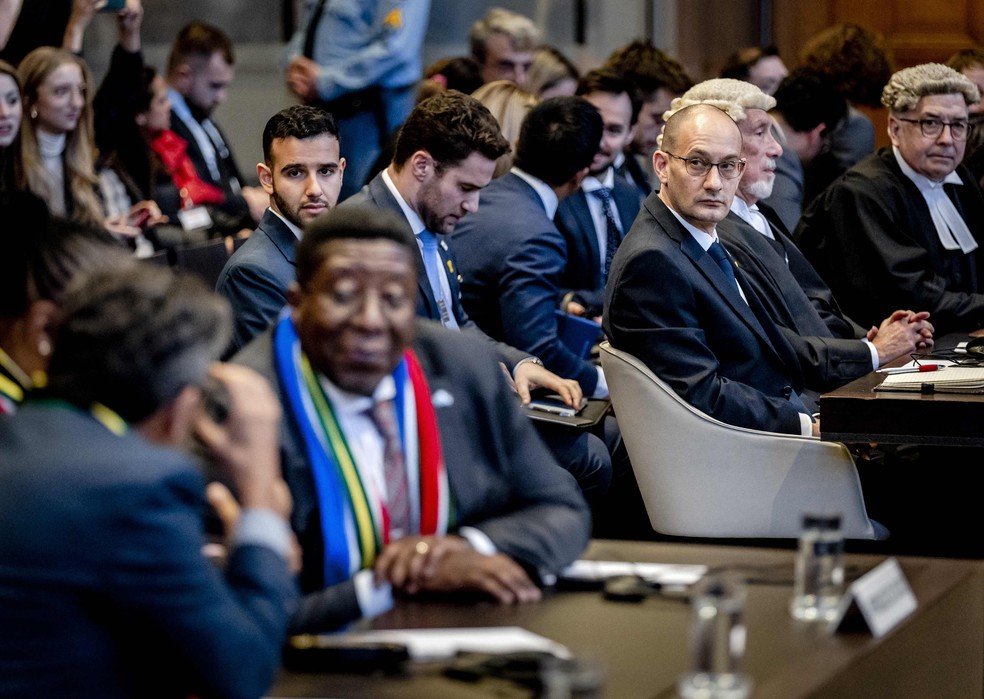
(422, 547)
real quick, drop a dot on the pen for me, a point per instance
(914, 369)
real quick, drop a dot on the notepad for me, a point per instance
(956, 379)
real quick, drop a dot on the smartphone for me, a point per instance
(139, 218)
(113, 6)
(555, 405)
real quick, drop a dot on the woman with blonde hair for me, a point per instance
(509, 104)
(57, 143)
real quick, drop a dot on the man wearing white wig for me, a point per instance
(832, 349)
(903, 225)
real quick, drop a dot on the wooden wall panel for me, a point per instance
(916, 31)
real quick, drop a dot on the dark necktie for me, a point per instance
(312, 29)
(720, 255)
(727, 265)
(383, 414)
(613, 237)
(433, 268)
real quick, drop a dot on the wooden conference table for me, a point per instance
(643, 647)
(857, 413)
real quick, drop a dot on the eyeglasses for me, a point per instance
(932, 128)
(698, 167)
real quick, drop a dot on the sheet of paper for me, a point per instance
(663, 573)
(437, 644)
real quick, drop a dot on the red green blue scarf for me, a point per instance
(354, 523)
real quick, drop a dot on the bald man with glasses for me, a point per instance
(902, 227)
(676, 300)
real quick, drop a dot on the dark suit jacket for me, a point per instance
(582, 275)
(669, 304)
(828, 360)
(872, 238)
(256, 278)
(376, 193)
(103, 588)
(503, 480)
(511, 258)
(233, 214)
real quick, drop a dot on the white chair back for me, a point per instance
(700, 477)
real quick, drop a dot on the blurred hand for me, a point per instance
(246, 443)
(78, 21)
(404, 562)
(302, 78)
(130, 19)
(228, 511)
(498, 576)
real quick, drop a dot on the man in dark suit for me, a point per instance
(438, 169)
(445, 154)
(351, 347)
(302, 172)
(510, 253)
(104, 589)
(596, 217)
(199, 70)
(832, 349)
(676, 301)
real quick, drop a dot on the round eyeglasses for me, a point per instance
(932, 128)
(698, 167)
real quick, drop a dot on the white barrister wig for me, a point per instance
(909, 85)
(731, 96)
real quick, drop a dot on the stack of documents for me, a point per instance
(952, 379)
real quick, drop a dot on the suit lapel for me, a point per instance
(750, 312)
(585, 226)
(280, 235)
(627, 200)
(384, 199)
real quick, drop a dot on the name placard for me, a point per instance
(883, 597)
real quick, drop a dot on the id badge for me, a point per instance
(194, 218)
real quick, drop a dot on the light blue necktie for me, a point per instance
(433, 268)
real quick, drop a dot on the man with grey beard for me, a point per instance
(832, 348)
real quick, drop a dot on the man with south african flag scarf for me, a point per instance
(453, 491)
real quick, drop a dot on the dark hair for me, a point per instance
(450, 126)
(118, 137)
(350, 221)
(42, 256)
(612, 82)
(853, 58)
(300, 121)
(806, 99)
(461, 73)
(133, 337)
(649, 69)
(560, 137)
(199, 40)
(966, 58)
(740, 63)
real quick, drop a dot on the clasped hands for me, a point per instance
(416, 564)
